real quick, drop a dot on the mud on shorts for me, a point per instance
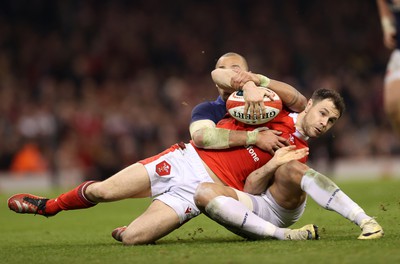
(174, 176)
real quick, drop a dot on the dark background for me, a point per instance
(97, 85)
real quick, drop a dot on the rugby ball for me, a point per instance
(235, 107)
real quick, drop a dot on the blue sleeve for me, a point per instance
(208, 110)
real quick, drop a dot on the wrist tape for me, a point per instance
(387, 25)
(251, 137)
(264, 81)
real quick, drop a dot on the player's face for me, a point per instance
(319, 117)
(230, 62)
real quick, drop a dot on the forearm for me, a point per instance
(220, 138)
(290, 96)
(258, 180)
(386, 16)
(383, 9)
(222, 78)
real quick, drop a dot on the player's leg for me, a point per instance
(392, 103)
(181, 172)
(234, 210)
(132, 181)
(294, 178)
(156, 222)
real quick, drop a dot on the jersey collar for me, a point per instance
(297, 133)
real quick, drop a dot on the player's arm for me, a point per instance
(259, 179)
(387, 23)
(222, 78)
(290, 96)
(231, 80)
(206, 135)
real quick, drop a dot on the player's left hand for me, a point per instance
(289, 153)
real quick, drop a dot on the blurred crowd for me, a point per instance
(94, 86)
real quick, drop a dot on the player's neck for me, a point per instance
(298, 125)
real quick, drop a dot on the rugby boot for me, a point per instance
(370, 229)
(308, 232)
(25, 203)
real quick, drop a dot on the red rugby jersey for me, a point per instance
(233, 165)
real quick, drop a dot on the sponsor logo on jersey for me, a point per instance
(253, 153)
(163, 168)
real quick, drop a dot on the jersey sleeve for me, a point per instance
(207, 110)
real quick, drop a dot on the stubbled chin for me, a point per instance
(313, 133)
(317, 133)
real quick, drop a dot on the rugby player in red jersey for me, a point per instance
(171, 178)
(283, 202)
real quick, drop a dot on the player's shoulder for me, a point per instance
(213, 110)
(207, 104)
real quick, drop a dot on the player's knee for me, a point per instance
(132, 239)
(292, 171)
(204, 194)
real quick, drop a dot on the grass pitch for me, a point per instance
(85, 236)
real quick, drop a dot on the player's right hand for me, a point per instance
(389, 39)
(254, 100)
(241, 78)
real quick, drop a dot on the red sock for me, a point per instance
(74, 199)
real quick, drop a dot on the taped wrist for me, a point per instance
(251, 137)
(387, 25)
(264, 81)
(216, 138)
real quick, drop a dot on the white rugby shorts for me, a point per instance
(174, 176)
(266, 207)
(393, 67)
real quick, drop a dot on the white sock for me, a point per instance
(236, 217)
(328, 195)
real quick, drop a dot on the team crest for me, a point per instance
(188, 210)
(163, 168)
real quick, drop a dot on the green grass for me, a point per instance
(84, 236)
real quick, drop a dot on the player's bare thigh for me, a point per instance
(286, 188)
(156, 222)
(131, 182)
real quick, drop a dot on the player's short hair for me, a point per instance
(335, 97)
(229, 54)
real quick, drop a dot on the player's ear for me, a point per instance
(309, 105)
